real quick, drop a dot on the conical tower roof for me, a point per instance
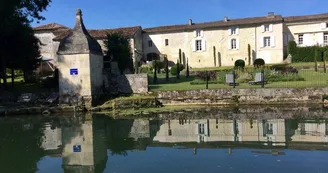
(79, 41)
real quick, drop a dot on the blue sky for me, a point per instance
(100, 14)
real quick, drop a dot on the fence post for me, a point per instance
(234, 78)
(262, 78)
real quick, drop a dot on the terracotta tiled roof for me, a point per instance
(50, 26)
(222, 23)
(102, 33)
(306, 18)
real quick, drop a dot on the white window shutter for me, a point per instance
(237, 30)
(202, 33)
(262, 42)
(237, 43)
(230, 31)
(323, 25)
(206, 129)
(203, 45)
(263, 28)
(193, 45)
(273, 41)
(195, 34)
(229, 44)
(196, 128)
(270, 27)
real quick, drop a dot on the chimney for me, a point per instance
(271, 15)
(226, 19)
(190, 22)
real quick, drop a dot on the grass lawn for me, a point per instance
(312, 79)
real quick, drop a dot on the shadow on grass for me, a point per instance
(172, 80)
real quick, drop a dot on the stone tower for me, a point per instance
(80, 65)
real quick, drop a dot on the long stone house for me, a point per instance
(50, 36)
(210, 44)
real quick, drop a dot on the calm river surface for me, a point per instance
(85, 144)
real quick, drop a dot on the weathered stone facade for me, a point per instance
(245, 96)
(80, 65)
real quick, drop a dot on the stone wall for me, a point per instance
(133, 83)
(125, 84)
(244, 96)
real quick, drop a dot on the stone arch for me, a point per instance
(240, 63)
(259, 62)
(152, 56)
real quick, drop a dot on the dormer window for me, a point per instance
(233, 31)
(266, 28)
(198, 33)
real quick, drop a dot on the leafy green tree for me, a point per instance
(118, 48)
(18, 45)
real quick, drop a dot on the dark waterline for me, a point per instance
(166, 144)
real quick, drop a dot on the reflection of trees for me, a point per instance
(20, 147)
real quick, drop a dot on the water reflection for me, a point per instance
(84, 144)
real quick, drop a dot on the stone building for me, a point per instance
(50, 36)
(80, 65)
(222, 43)
(210, 44)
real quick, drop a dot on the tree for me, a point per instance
(325, 57)
(180, 56)
(249, 54)
(214, 55)
(118, 48)
(316, 57)
(187, 72)
(178, 70)
(155, 73)
(18, 43)
(291, 48)
(167, 69)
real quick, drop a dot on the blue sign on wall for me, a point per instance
(73, 71)
(77, 148)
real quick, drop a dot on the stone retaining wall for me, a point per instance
(244, 96)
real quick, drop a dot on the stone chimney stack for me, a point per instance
(190, 22)
(271, 15)
(226, 19)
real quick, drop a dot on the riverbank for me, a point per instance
(182, 100)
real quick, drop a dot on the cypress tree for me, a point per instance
(214, 55)
(167, 69)
(249, 54)
(325, 56)
(316, 57)
(187, 73)
(155, 72)
(178, 70)
(180, 56)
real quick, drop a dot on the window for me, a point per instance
(166, 42)
(150, 43)
(233, 31)
(198, 45)
(201, 129)
(325, 38)
(233, 44)
(327, 25)
(267, 41)
(266, 28)
(300, 39)
(269, 129)
(198, 33)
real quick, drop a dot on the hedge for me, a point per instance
(304, 54)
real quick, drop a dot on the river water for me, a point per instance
(163, 143)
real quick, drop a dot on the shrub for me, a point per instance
(244, 78)
(240, 63)
(259, 62)
(146, 69)
(202, 75)
(292, 48)
(174, 69)
(159, 64)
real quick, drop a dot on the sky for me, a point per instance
(101, 14)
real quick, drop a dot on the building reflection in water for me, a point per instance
(83, 143)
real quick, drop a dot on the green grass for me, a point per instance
(312, 79)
